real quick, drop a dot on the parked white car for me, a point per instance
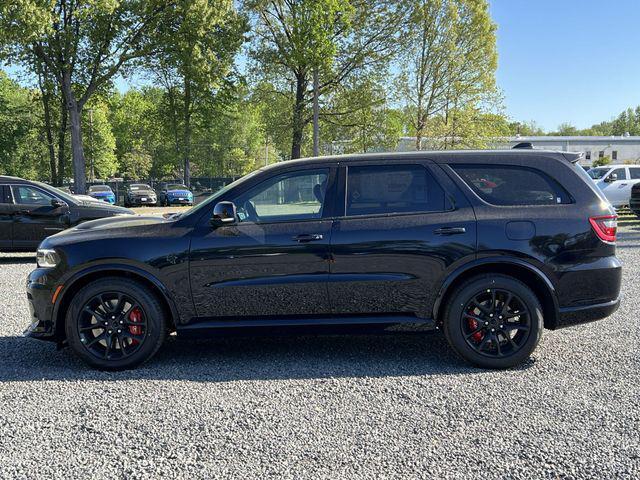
(616, 181)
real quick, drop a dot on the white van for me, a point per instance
(616, 181)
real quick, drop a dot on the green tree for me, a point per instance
(84, 44)
(336, 38)
(100, 147)
(449, 59)
(195, 62)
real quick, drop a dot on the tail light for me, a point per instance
(605, 227)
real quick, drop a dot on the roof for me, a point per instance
(435, 155)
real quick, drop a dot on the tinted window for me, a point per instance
(287, 197)
(26, 195)
(139, 187)
(634, 173)
(100, 188)
(621, 173)
(177, 187)
(379, 189)
(510, 185)
(5, 194)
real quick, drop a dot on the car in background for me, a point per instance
(102, 192)
(139, 194)
(174, 194)
(31, 211)
(87, 198)
(616, 181)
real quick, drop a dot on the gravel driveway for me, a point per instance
(324, 407)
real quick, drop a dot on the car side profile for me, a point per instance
(616, 182)
(492, 247)
(102, 192)
(31, 211)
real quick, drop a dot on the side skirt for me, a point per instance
(200, 327)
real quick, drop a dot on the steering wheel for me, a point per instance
(250, 209)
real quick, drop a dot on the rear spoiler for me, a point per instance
(573, 157)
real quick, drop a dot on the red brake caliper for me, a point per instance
(136, 317)
(473, 324)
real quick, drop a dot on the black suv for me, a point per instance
(490, 246)
(31, 211)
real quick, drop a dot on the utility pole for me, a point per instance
(266, 151)
(316, 113)
(91, 170)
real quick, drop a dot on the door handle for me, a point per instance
(450, 230)
(308, 237)
(23, 212)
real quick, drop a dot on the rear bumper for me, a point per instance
(569, 316)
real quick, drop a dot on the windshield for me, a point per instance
(213, 198)
(598, 173)
(176, 186)
(100, 188)
(139, 187)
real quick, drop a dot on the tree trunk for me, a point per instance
(46, 99)
(77, 152)
(62, 132)
(298, 116)
(316, 114)
(187, 132)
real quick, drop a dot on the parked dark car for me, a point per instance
(139, 194)
(102, 192)
(490, 246)
(174, 194)
(31, 211)
(634, 201)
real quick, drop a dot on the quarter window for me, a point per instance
(511, 185)
(287, 197)
(26, 195)
(382, 189)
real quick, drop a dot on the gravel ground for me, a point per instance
(324, 407)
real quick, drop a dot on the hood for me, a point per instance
(143, 193)
(100, 194)
(119, 221)
(179, 192)
(105, 207)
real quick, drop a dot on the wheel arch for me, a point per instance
(530, 275)
(84, 277)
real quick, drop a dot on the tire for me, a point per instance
(478, 326)
(135, 332)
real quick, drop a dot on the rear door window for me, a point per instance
(508, 185)
(383, 189)
(634, 173)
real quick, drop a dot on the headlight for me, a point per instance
(47, 258)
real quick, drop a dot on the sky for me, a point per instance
(573, 61)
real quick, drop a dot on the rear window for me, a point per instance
(508, 185)
(381, 189)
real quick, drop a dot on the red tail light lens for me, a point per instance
(605, 227)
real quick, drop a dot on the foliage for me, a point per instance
(601, 161)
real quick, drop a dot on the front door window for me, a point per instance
(288, 197)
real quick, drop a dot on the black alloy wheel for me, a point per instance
(493, 321)
(115, 323)
(112, 325)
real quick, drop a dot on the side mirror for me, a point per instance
(55, 203)
(224, 213)
(611, 178)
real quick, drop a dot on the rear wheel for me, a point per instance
(115, 324)
(494, 321)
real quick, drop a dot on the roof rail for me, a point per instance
(527, 145)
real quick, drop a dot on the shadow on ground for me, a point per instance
(253, 358)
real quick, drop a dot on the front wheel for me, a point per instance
(494, 321)
(115, 324)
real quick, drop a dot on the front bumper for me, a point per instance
(110, 200)
(39, 295)
(179, 201)
(133, 201)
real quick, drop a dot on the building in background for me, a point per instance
(620, 149)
